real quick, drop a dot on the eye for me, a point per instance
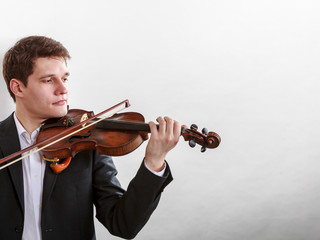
(65, 79)
(49, 80)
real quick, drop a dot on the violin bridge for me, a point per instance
(83, 118)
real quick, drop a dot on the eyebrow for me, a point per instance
(50, 75)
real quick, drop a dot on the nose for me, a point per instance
(61, 87)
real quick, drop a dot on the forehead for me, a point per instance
(55, 65)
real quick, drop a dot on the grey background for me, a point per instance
(248, 70)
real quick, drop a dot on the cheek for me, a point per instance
(41, 95)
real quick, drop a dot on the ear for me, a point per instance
(17, 87)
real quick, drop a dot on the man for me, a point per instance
(36, 203)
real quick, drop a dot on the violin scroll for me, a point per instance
(205, 139)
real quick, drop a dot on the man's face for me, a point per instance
(46, 94)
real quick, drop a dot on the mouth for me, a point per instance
(60, 102)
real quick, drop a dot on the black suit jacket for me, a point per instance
(68, 197)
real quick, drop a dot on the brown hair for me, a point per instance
(18, 62)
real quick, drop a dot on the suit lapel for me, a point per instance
(9, 142)
(48, 184)
(17, 179)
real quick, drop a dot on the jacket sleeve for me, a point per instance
(122, 212)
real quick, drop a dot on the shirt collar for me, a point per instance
(22, 132)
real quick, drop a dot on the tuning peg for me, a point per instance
(192, 143)
(203, 148)
(194, 127)
(205, 131)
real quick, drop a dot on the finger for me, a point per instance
(176, 129)
(162, 125)
(169, 125)
(153, 128)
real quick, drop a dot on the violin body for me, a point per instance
(106, 139)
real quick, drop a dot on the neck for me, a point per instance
(30, 123)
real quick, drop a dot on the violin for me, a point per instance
(60, 139)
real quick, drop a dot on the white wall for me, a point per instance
(248, 70)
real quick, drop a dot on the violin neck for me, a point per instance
(113, 124)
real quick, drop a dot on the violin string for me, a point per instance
(55, 141)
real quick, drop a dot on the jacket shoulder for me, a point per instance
(9, 121)
(8, 135)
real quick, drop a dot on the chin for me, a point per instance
(60, 112)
